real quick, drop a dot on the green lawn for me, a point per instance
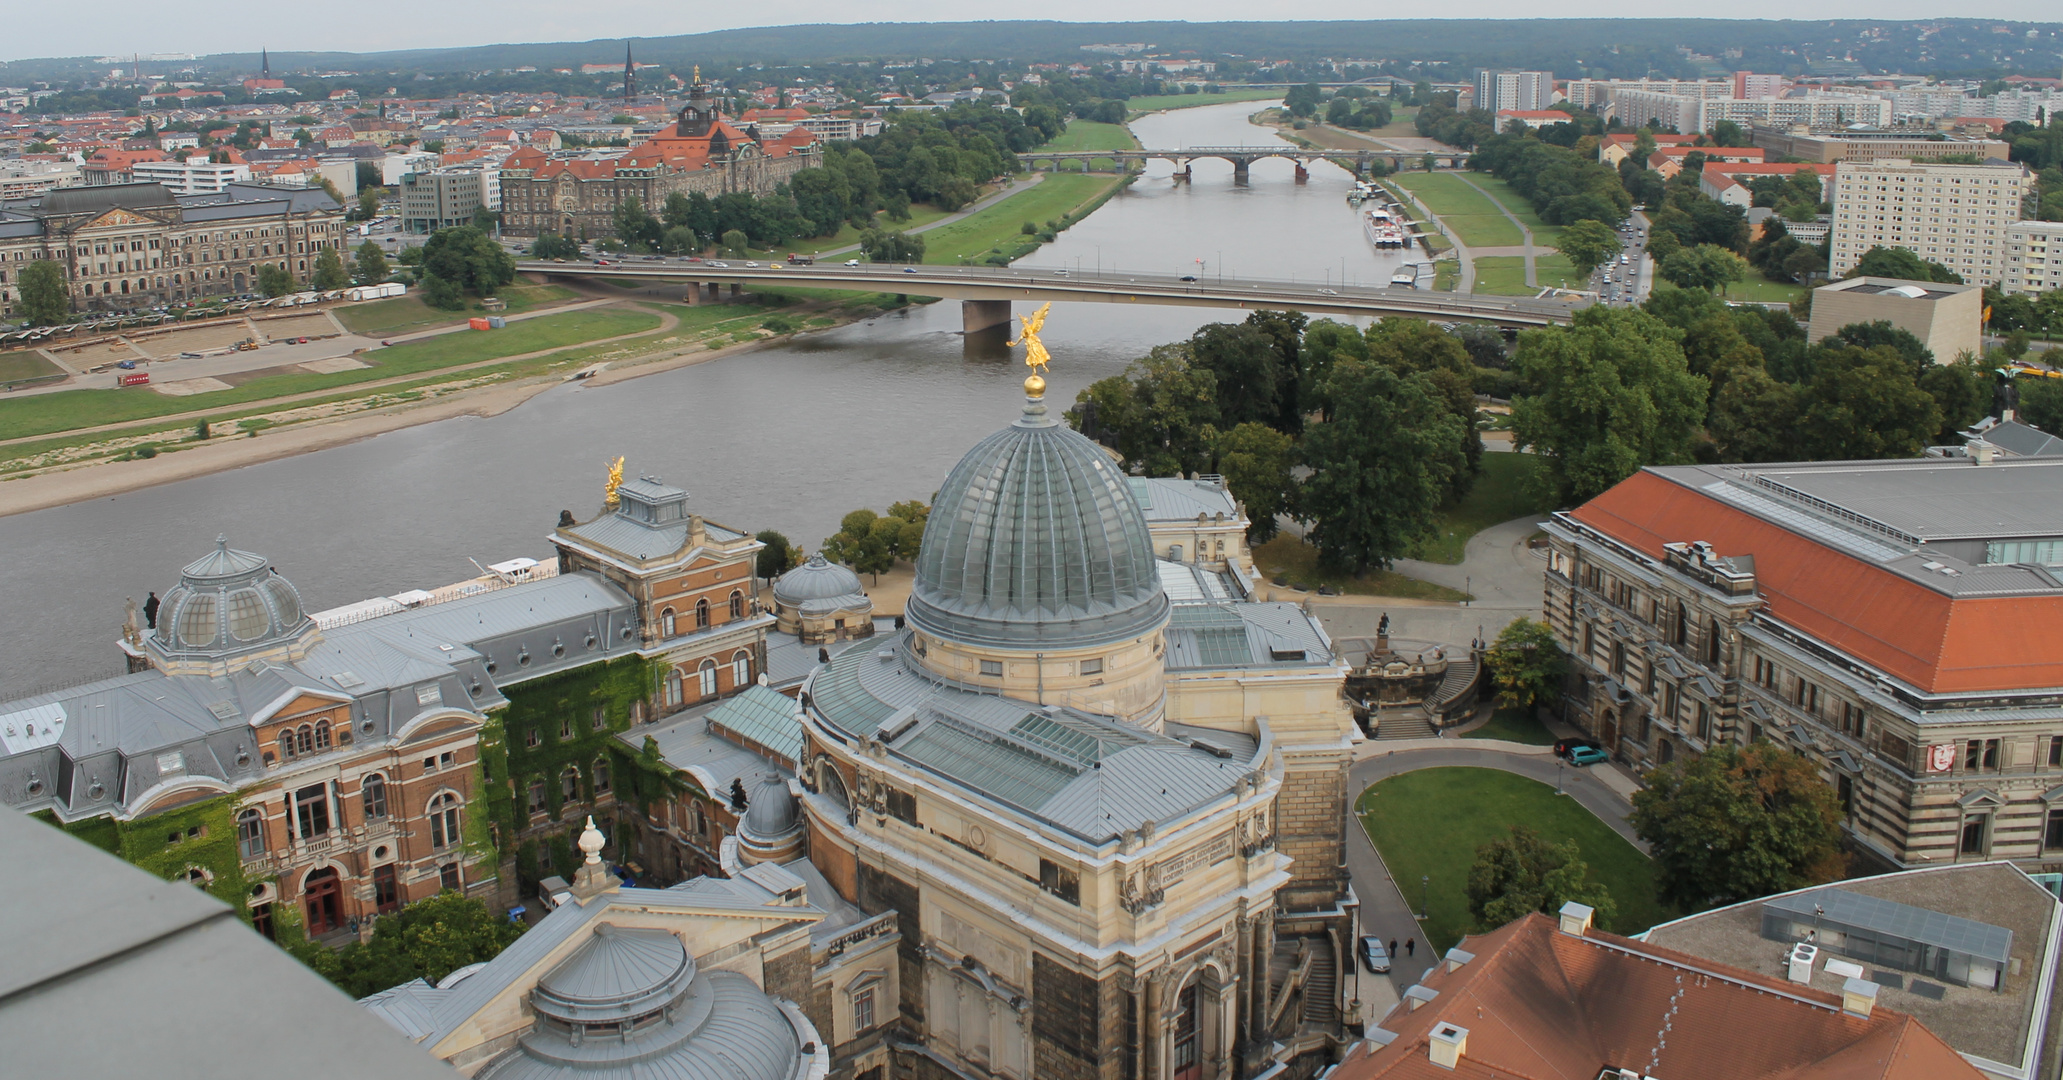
(1296, 562)
(407, 314)
(1429, 823)
(1047, 200)
(21, 364)
(1514, 725)
(1544, 235)
(848, 235)
(1761, 289)
(1155, 102)
(1505, 489)
(1502, 275)
(52, 413)
(1468, 214)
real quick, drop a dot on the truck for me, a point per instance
(132, 378)
(375, 292)
(801, 260)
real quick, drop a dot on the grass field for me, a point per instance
(1156, 102)
(1514, 725)
(921, 214)
(25, 364)
(1505, 489)
(1544, 235)
(407, 314)
(1087, 135)
(59, 412)
(1050, 199)
(1296, 563)
(1469, 214)
(1429, 823)
(1761, 289)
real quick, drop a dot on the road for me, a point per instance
(1036, 284)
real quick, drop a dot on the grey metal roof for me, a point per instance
(619, 973)
(1226, 635)
(93, 940)
(1088, 775)
(1179, 499)
(101, 197)
(1187, 582)
(1891, 919)
(686, 743)
(789, 660)
(819, 584)
(771, 809)
(1035, 539)
(767, 717)
(2023, 440)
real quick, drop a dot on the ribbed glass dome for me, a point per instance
(228, 602)
(1035, 540)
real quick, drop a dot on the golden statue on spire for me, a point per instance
(609, 498)
(1035, 355)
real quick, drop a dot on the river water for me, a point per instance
(788, 438)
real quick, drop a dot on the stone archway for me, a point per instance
(321, 896)
(1608, 729)
(239, 282)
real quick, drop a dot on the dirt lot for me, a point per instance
(202, 338)
(311, 325)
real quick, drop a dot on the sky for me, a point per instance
(213, 26)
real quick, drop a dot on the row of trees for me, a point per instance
(871, 543)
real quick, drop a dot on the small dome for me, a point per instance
(618, 974)
(817, 579)
(771, 811)
(1036, 540)
(228, 602)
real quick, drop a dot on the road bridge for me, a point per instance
(986, 292)
(1356, 161)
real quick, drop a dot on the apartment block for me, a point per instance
(2034, 257)
(1501, 90)
(1956, 215)
(1864, 145)
(1679, 112)
(440, 200)
(195, 177)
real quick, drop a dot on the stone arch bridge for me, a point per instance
(1241, 157)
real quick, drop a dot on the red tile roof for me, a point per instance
(1938, 643)
(1536, 1002)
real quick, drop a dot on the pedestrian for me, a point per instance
(1411, 946)
(1393, 947)
(150, 611)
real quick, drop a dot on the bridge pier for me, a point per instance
(694, 294)
(1239, 170)
(979, 315)
(1182, 174)
(737, 290)
(1303, 174)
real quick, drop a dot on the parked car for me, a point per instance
(126, 364)
(1563, 748)
(1374, 956)
(1588, 755)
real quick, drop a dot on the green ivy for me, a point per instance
(168, 844)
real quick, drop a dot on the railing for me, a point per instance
(879, 926)
(1299, 974)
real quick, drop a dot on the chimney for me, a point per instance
(1858, 997)
(1446, 1045)
(1456, 958)
(1576, 919)
(1982, 452)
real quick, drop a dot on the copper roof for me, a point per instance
(1536, 1002)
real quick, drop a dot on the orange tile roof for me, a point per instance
(1540, 1003)
(1938, 643)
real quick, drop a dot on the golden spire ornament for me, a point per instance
(609, 498)
(1035, 355)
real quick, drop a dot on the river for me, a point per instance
(787, 438)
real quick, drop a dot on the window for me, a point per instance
(374, 790)
(2056, 750)
(737, 604)
(1704, 722)
(250, 833)
(600, 718)
(1851, 720)
(992, 668)
(565, 727)
(537, 797)
(1975, 830)
(569, 784)
(741, 669)
(1680, 633)
(530, 737)
(666, 623)
(447, 876)
(2052, 831)
(1092, 667)
(304, 739)
(386, 891)
(708, 678)
(1619, 658)
(1712, 642)
(312, 811)
(444, 821)
(902, 806)
(863, 1010)
(286, 745)
(1981, 755)
(1060, 881)
(673, 688)
(601, 776)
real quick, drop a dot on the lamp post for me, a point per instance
(1558, 774)
(1425, 886)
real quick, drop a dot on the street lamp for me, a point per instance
(1425, 885)
(1558, 775)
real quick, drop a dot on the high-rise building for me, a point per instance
(2034, 257)
(1955, 215)
(1500, 90)
(1748, 84)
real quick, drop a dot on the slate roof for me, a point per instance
(1229, 635)
(1178, 499)
(1536, 1002)
(686, 743)
(764, 716)
(1088, 775)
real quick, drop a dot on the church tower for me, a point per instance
(264, 64)
(630, 75)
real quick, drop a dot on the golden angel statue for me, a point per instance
(1035, 355)
(615, 481)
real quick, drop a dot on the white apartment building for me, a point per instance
(1587, 93)
(1956, 215)
(2034, 257)
(21, 179)
(1686, 115)
(1498, 91)
(2026, 106)
(195, 176)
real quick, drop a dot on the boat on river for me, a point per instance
(1383, 228)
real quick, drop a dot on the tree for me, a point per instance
(1526, 664)
(370, 267)
(485, 220)
(1706, 266)
(1864, 403)
(1736, 823)
(273, 281)
(440, 292)
(1248, 370)
(775, 558)
(1256, 461)
(554, 246)
(1603, 397)
(1381, 465)
(1753, 417)
(329, 271)
(735, 241)
(469, 258)
(892, 247)
(428, 939)
(634, 225)
(1887, 262)
(1588, 245)
(1161, 415)
(1521, 873)
(44, 299)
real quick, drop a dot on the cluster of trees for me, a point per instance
(1384, 420)
(1565, 186)
(871, 543)
(457, 261)
(428, 939)
(1355, 107)
(1522, 872)
(1736, 823)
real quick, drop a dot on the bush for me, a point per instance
(146, 452)
(1029, 229)
(780, 324)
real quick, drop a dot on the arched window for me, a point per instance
(250, 832)
(304, 739)
(444, 821)
(569, 784)
(286, 743)
(701, 613)
(708, 674)
(741, 668)
(737, 604)
(322, 734)
(374, 788)
(673, 688)
(666, 623)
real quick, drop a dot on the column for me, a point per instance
(979, 315)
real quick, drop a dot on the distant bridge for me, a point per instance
(986, 292)
(1355, 161)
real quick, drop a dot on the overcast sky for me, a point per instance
(119, 27)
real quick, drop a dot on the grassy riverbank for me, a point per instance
(1472, 216)
(1161, 102)
(408, 314)
(999, 230)
(1086, 135)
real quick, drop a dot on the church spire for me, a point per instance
(264, 63)
(630, 74)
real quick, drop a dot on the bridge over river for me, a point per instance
(986, 292)
(1355, 161)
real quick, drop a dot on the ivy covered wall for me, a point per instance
(197, 836)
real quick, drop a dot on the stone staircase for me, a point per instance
(1319, 990)
(1457, 690)
(1403, 723)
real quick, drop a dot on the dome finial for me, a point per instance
(1035, 355)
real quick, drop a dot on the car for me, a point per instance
(694, 258)
(1188, 277)
(189, 356)
(753, 265)
(300, 341)
(1374, 956)
(1330, 292)
(909, 269)
(1588, 755)
(126, 365)
(720, 264)
(1062, 272)
(1564, 747)
(852, 262)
